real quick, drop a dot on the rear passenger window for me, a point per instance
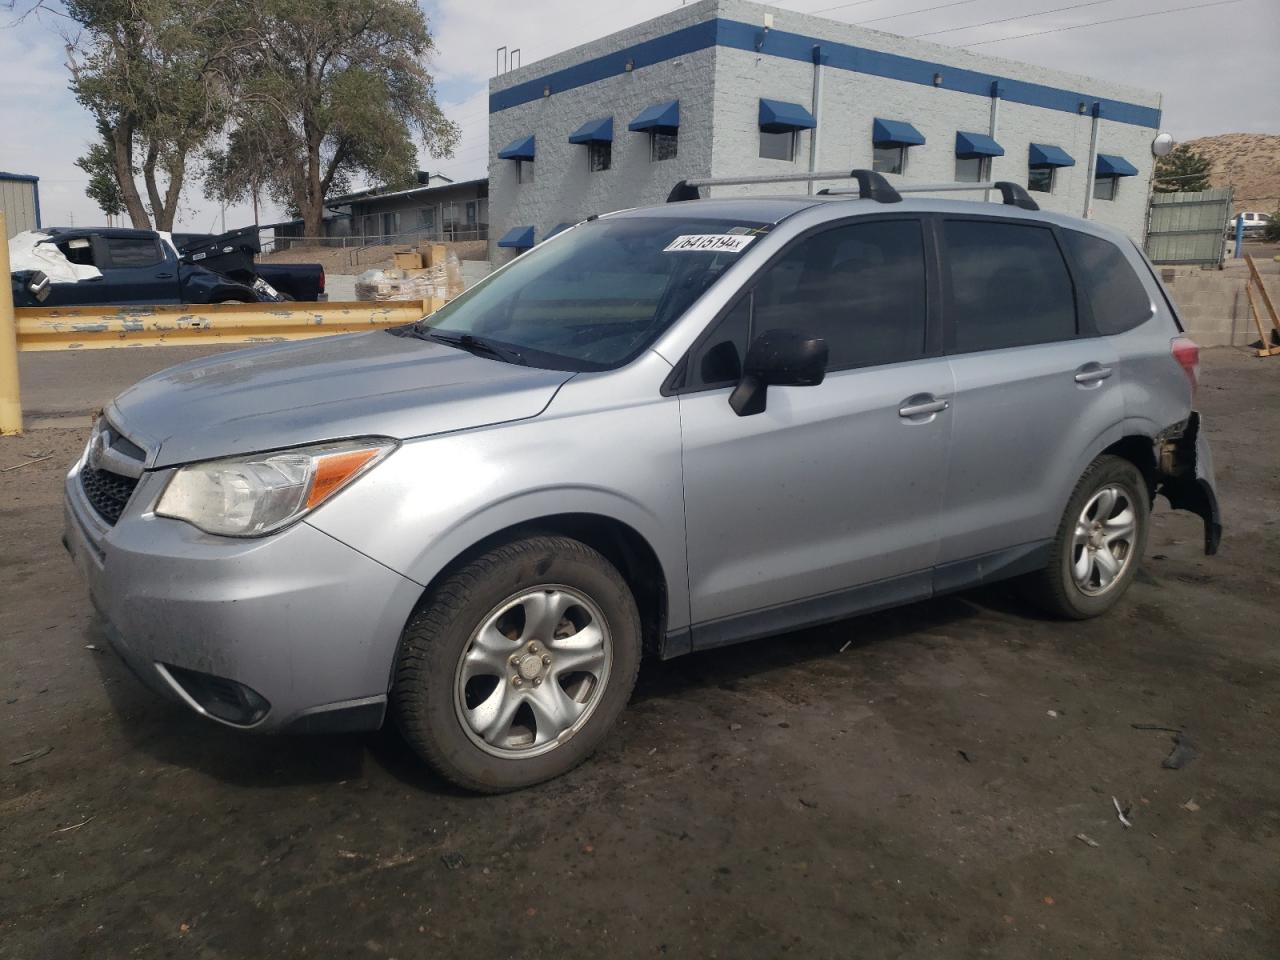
(860, 287)
(132, 252)
(1117, 297)
(1008, 286)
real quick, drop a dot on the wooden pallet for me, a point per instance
(1265, 349)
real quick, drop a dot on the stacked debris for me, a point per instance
(432, 272)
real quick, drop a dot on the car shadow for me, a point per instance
(171, 734)
(725, 666)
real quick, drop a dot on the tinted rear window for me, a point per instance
(1007, 286)
(1117, 297)
(131, 252)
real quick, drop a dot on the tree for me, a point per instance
(332, 90)
(143, 69)
(247, 166)
(1271, 232)
(1182, 170)
(103, 188)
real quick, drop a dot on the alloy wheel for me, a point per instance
(533, 671)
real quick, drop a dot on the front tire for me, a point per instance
(1099, 542)
(516, 666)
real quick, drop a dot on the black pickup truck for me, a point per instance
(143, 267)
(234, 255)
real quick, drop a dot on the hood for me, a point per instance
(310, 391)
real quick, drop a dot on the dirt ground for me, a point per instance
(909, 784)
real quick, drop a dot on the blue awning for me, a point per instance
(1047, 155)
(594, 131)
(1113, 166)
(521, 149)
(558, 228)
(776, 116)
(970, 145)
(661, 116)
(895, 133)
(521, 238)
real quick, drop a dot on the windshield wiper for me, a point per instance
(479, 346)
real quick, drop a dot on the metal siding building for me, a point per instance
(717, 59)
(20, 201)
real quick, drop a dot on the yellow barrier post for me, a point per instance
(10, 398)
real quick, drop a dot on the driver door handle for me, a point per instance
(922, 406)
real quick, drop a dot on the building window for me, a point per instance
(972, 169)
(663, 145)
(471, 213)
(526, 170)
(599, 155)
(778, 146)
(889, 159)
(1040, 179)
(1104, 188)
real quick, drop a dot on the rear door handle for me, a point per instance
(1092, 373)
(922, 405)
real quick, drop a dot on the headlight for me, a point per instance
(256, 495)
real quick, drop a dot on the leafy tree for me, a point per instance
(333, 90)
(144, 70)
(247, 166)
(1271, 232)
(1182, 170)
(103, 188)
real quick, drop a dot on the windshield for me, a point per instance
(596, 297)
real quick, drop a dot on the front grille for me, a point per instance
(107, 492)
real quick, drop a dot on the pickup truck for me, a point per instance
(234, 255)
(144, 267)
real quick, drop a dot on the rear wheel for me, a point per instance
(1099, 542)
(516, 666)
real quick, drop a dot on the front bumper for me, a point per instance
(302, 620)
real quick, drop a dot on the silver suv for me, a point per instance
(663, 430)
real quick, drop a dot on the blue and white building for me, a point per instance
(724, 88)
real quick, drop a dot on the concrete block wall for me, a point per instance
(851, 102)
(564, 190)
(719, 88)
(1215, 309)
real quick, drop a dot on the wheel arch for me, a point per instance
(619, 542)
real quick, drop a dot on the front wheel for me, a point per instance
(1099, 542)
(516, 666)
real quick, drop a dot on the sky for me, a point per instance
(1218, 69)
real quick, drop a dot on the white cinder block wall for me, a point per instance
(720, 84)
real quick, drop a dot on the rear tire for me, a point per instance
(1099, 542)
(516, 666)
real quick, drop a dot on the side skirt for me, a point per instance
(864, 598)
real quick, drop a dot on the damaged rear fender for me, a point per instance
(1184, 476)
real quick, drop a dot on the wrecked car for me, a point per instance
(660, 431)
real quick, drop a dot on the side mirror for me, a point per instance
(38, 286)
(781, 358)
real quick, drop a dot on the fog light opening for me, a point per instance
(219, 697)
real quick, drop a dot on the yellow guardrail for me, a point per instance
(98, 327)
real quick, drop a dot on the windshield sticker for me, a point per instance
(708, 243)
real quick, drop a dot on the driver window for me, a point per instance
(860, 287)
(78, 251)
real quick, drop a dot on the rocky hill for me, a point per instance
(1250, 162)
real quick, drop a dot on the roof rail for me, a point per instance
(871, 185)
(1011, 194)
